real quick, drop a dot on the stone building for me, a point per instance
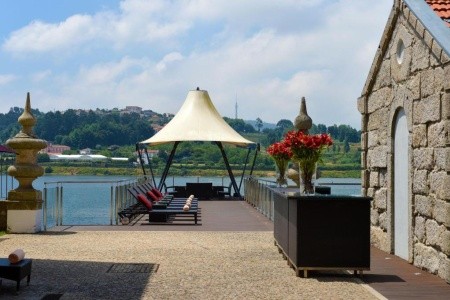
(405, 107)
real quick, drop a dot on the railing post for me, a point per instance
(111, 198)
(44, 216)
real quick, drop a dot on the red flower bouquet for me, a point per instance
(306, 150)
(281, 154)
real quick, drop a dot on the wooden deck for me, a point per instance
(394, 278)
(390, 276)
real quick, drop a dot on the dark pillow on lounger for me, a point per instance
(157, 193)
(145, 201)
(152, 196)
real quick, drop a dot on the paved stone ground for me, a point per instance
(192, 265)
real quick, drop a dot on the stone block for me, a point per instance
(446, 106)
(419, 136)
(372, 139)
(439, 184)
(383, 221)
(431, 82)
(373, 179)
(419, 229)
(437, 135)
(364, 178)
(364, 122)
(420, 185)
(413, 86)
(444, 268)
(427, 110)
(378, 119)
(420, 29)
(444, 58)
(377, 157)
(441, 212)
(361, 105)
(380, 198)
(420, 56)
(363, 159)
(426, 257)
(436, 49)
(447, 132)
(374, 217)
(378, 99)
(382, 136)
(383, 78)
(428, 39)
(423, 158)
(424, 205)
(370, 192)
(440, 158)
(380, 239)
(444, 241)
(447, 159)
(434, 61)
(446, 78)
(383, 175)
(433, 232)
(364, 141)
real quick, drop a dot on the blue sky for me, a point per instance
(266, 54)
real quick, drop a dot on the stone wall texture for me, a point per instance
(418, 81)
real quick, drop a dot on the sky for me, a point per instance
(263, 54)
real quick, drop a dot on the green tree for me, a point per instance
(346, 146)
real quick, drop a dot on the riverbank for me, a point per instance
(176, 171)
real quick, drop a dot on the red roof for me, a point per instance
(441, 8)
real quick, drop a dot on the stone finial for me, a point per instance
(27, 119)
(26, 145)
(303, 122)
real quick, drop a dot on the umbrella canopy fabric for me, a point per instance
(198, 120)
(6, 149)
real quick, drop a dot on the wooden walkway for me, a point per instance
(390, 276)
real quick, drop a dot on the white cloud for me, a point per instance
(42, 75)
(42, 37)
(169, 58)
(269, 54)
(6, 78)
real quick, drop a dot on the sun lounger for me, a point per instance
(145, 206)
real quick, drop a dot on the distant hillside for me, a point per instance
(265, 125)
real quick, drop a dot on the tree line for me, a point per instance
(82, 129)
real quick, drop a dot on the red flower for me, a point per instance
(305, 146)
(279, 150)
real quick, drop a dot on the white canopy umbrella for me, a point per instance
(198, 120)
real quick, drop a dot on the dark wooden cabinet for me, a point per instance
(321, 232)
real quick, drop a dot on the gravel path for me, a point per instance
(192, 265)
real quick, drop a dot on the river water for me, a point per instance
(87, 199)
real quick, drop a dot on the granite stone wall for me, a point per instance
(410, 72)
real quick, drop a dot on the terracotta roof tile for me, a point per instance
(441, 8)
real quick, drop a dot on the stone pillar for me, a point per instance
(302, 122)
(24, 204)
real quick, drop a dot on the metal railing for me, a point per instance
(86, 202)
(258, 194)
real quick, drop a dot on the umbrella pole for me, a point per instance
(230, 172)
(254, 159)
(168, 164)
(245, 168)
(141, 161)
(150, 167)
